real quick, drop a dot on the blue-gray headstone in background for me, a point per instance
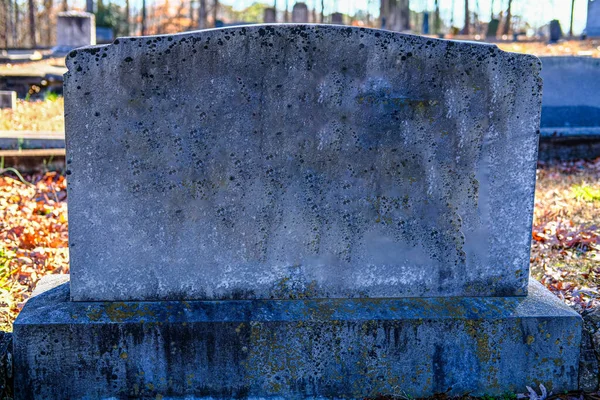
(299, 161)
(300, 13)
(592, 27)
(555, 31)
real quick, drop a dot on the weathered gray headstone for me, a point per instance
(8, 99)
(592, 27)
(318, 178)
(367, 172)
(75, 29)
(300, 13)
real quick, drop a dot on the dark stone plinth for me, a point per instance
(344, 348)
(6, 381)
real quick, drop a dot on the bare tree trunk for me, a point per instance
(202, 23)
(215, 10)
(572, 13)
(32, 39)
(437, 26)
(15, 25)
(65, 5)
(467, 26)
(5, 18)
(322, 11)
(127, 19)
(192, 15)
(48, 6)
(508, 17)
(286, 17)
(492, 11)
(143, 22)
(89, 6)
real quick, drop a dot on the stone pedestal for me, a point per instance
(334, 348)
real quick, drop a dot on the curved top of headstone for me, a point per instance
(290, 161)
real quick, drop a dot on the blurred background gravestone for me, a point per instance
(269, 15)
(592, 28)
(300, 13)
(354, 230)
(492, 28)
(74, 29)
(337, 18)
(8, 99)
(555, 31)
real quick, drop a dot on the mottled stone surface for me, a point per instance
(6, 365)
(294, 349)
(299, 161)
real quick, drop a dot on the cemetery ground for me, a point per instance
(565, 254)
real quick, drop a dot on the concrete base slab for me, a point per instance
(332, 348)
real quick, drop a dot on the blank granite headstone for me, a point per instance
(8, 99)
(351, 198)
(300, 13)
(336, 176)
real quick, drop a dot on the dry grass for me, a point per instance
(33, 238)
(34, 116)
(565, 253)
(588, 48)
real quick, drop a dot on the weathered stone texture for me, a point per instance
(589, 365)
(295, 349)
(299, 161)
(6, 365)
